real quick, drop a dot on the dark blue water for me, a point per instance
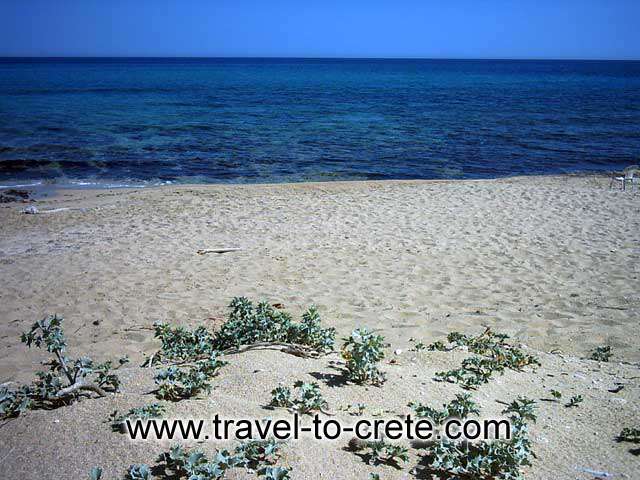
(139, 121)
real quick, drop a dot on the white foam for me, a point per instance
(18, 185)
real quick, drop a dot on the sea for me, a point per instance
(109, 122)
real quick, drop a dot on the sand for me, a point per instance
(552, 261)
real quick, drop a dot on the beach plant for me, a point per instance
(274, 473)
(66, 380)
(601, 354)
(146, 412)
(265, 323)
(247, 325)
(307, 397)
(13, 402)
(256, 455)
(575, 401)
(95, 473)
(522, 409)
(281, 396)
(629, 434)
(460, 407)
(178, 462)
(437, 346)
(486, 459)
(362, 351)
(379, 452)
(495, 356)
(180, 343)
(139, 472)
(311, 333)
(474, 372)
(556, 394)
(495, 346)
(356, 409)
(483, 460)
(374, 476)
(178, 382)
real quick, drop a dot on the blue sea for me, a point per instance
(116, 122)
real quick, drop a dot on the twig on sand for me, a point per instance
(612, 307)
(218, 250)
(32, 210)
(291, 348)
(79, 385)
(135, 328)
(595, 473)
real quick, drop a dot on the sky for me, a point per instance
(557, 29)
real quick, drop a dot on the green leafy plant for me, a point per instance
(307, 399)
(522, 409)
(601, 354)
(195, 465)
(14, 402)
(274, 473)
(484, 460)
(265, 323)
(575, 401)
(374, 476)
(95, 473)
(496, 354)
(247, 325)
(362, 352)
(437, 346)
(461, 407)
(495, 346)
(66, 380)
(153, 410)
(556, 394)
(175, 383)
(255, 454)
(474, 371)
(629, 434)
(487, 459)
(181, 344)
(380, 452)
(355, 409)
(139, 472)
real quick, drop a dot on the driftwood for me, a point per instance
(78, 386)
(33, 210)
(218, 250)
(291, 348)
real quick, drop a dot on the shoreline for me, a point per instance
(52, 190)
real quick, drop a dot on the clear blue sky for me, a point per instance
(322, 28)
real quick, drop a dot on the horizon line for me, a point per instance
(273, 57)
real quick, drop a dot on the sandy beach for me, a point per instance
(554, 262)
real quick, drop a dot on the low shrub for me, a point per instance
(362, 352)
(307, 397)
(66, 380)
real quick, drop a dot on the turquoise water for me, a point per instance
(146, 121)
